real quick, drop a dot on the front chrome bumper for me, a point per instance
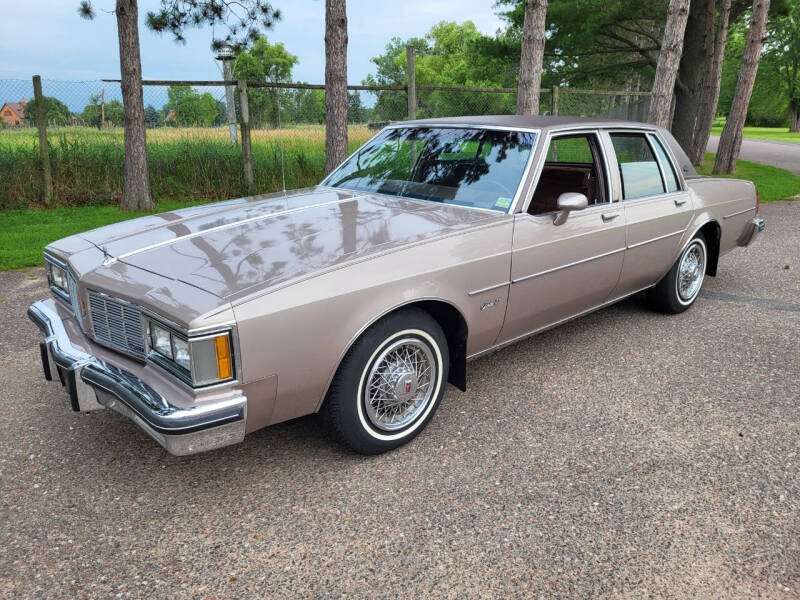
(94, 384)
(751, 231)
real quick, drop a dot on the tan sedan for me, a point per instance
(361, 298)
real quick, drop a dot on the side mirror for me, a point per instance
(567, 203)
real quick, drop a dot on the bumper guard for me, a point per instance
(94, 384)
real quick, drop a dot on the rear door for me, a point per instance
(559, 271)
(657, 207)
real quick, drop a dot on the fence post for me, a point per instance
(44, 150)
(554, 101)
(412, 82)
(247, 153)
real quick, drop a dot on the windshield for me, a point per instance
(481, 168)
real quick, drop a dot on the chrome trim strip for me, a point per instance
(552, 325)
(655, 239)
(741, 212)
(195, 234)
(488, 289)
(572, 264)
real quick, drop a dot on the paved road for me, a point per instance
(628, 454)
(785, 155)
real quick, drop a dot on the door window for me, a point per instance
(573, 164)
(638, 167)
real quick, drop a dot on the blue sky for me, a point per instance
(61, 45)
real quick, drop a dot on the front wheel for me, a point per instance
(679, 288)
(389, 384)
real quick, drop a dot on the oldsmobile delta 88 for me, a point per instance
(361, 298)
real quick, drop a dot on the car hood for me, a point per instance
(230, 249)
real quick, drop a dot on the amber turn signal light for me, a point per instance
(223, 356)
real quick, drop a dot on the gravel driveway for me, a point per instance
(628, 454)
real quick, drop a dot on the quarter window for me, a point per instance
(638, 167)
(669, 173)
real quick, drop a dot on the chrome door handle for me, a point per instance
(610, 216)
(680, 201)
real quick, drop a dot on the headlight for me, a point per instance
(161, 340)
(199, 361)
(58, 277)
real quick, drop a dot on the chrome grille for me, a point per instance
(117, 324)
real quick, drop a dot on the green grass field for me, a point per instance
(87, 164)
(777, 134)
(25, 232)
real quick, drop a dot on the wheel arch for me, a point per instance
(712, 232)
(453, 324)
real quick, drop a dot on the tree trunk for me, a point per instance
(794, 107)
(335, 83)
(136, 190)
(530, 65)
(731, 140)
(668, 62)
(711, 85)
(698, 47)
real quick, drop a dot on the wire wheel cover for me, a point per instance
(691, 271)
(400, 384)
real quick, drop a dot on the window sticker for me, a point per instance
(502, 202)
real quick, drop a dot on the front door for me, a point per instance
(560, 271)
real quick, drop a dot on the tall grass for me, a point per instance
(87, 164)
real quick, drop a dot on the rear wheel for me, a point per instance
(679, 288)
(389, 384)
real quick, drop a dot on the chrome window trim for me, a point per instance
(545, 146)
(654, 139)
(645, 133)
(401, 125)
(566, 266)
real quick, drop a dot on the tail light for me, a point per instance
(758, 201)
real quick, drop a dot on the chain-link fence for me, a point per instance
(194, 140)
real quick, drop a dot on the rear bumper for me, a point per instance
(751, 231)
(94, 384)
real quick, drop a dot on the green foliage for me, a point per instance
(782, 57)
(92, 112)
(56, 111)
(769, 102)
(270, 63)
(191, 107)
(241, 19)
(449, 54)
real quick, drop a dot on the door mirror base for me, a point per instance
(567, 203)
